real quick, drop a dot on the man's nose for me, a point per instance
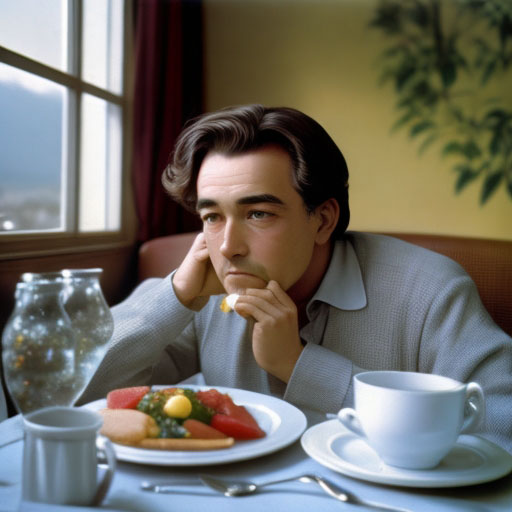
(234, 243)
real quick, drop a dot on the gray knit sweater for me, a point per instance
(383, 304)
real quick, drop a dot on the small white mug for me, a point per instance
(412, 420)
(60, 456)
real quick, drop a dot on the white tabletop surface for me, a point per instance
(190, 495)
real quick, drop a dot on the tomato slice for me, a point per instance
(211, 398)
(222, 403)
(234, 420)
(126, 398)
(235, 427)
(200, 430)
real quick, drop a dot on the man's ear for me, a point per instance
(328, 213)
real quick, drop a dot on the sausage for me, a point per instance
(188, 444)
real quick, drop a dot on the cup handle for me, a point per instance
(106, 449)
(474, 408)
(348, 417)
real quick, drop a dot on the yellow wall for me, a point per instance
(320, 57)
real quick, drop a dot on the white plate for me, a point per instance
(282, 422)
(473, 460)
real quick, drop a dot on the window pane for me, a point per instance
(36, 28)
(103, 43)
(31, 135)
(100, 165)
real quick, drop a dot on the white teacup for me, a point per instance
(412, 420)
(60, 456)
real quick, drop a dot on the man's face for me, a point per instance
(255, 224)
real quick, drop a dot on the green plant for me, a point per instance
(444, 61)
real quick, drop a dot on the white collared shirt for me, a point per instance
(342, 287)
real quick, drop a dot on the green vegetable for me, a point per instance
(199, 411)
(152, 403)
(169, 427)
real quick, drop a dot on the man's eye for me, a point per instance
(259, 215)
(210, 217)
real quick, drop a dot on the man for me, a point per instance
(316, 304)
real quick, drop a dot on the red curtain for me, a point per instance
(168, 91)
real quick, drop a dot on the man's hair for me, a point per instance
(319, 168)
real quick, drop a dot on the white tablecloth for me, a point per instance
(189, 495)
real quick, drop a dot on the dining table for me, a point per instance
(185, 491)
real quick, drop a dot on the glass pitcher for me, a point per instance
(91, 320)
(39, 348)
(55, 338)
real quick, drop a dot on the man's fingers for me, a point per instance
(280, 294)
(273, 294)
(256, 307)
(267, 302)
(199, 249)
(195, 279)
(199, 240)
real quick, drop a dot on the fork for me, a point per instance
(240, 488)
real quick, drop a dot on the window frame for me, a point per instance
(40, 243)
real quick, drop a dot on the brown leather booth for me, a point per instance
(488, 262)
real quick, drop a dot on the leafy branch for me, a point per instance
(434, 43)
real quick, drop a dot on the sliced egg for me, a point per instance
(231, 300)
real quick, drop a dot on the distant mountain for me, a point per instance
(30, 138)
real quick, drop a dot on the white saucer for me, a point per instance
(473, 460)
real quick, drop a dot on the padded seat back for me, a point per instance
(488, 262)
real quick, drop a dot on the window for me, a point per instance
(63, 112)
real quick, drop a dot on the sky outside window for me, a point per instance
(41, 35)
(31, 130)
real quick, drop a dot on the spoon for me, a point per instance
(239, 488)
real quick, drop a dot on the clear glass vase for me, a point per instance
(38, 348)
(55, 338)
(91, 320)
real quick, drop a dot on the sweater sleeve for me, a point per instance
(144, 324)
(460, 340)
(321, 380)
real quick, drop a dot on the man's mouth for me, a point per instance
(240, 273)
(239, 280)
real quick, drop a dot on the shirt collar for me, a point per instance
(342, 285)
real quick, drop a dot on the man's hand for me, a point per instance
(195, 280)
(276, 342)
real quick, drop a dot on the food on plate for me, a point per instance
(231, 419)
(235, 428)
(177, 419)
(170, 443)
(200, 430)
(127, 426)
(178, 406)
(154, 403)
(126, 398)
(228, 302)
